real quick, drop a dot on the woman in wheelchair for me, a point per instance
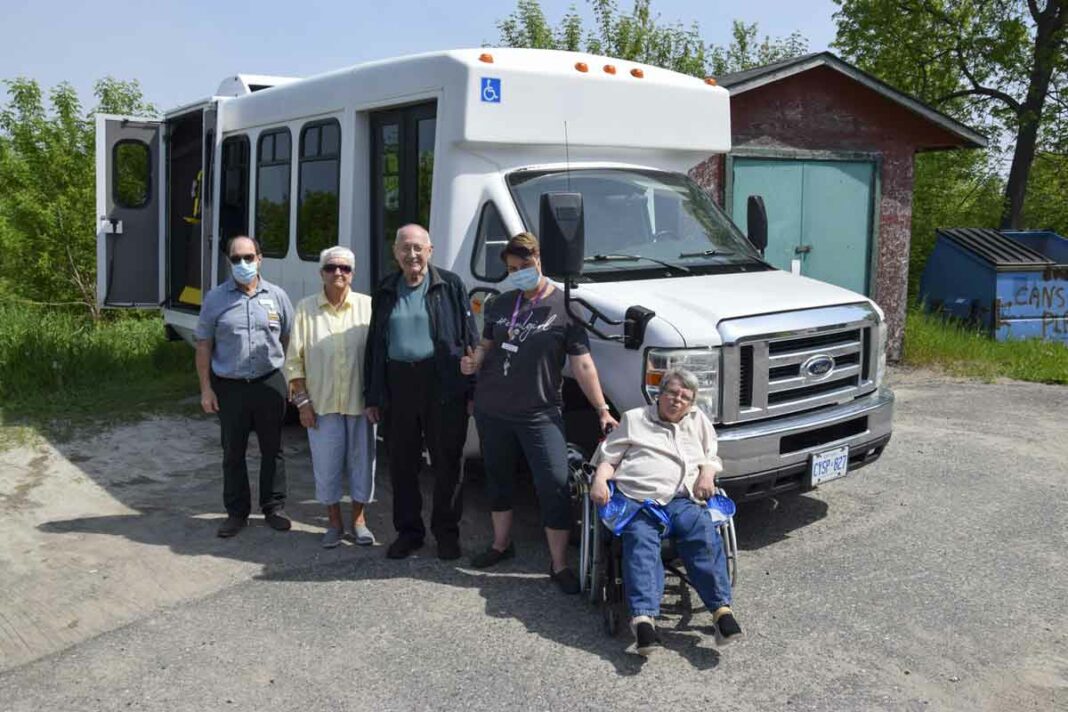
(663, 459)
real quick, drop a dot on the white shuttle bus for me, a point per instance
(467, 142)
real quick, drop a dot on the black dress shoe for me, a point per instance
(402, 548)
(492, 557)
(278, 520)
(448, 549)
(231, 526)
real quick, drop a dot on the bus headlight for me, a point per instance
(702, 363)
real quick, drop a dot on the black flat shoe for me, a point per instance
(492, 557)
(566, 580)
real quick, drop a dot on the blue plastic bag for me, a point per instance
(721, 508)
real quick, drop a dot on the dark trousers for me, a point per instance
(505, 443)
(245, 407)
(416, 416)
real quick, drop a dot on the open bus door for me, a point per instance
(128, 203)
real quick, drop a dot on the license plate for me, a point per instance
(830, 465)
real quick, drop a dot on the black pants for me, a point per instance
(244, 407)
(417, 415)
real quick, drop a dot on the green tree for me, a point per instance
(640, 36)
(47, 165)
(1001, 63)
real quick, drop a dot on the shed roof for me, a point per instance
(740, 82)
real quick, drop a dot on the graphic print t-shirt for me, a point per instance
(524, 383)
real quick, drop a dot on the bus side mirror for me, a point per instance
(562, 238)
(757, 223)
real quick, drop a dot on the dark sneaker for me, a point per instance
(231, 526)
(727, 628)
(566, 580)
(448, 549)
(277, 520)
(492, 557)
(402, 548)
(646, 639)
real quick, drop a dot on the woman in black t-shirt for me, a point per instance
(527, 335)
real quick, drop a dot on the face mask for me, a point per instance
(525, 279)
(244, 272)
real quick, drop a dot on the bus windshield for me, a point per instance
(638, 220)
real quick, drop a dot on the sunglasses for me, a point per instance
(247, 259)
(343, 269)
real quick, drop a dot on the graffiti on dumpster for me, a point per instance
(1033, 307)
(1040, 297)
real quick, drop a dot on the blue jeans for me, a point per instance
(699, 546)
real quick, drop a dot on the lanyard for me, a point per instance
(518, 302)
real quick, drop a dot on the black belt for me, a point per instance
(412, 364)
(257, 379)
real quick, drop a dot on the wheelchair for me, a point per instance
(601, 553)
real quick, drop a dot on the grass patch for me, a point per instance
(60, 371)
(963, 350)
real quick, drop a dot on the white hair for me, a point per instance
(337, 251)
(685, 379)
(411, 227)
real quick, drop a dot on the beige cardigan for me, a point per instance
(654, 459)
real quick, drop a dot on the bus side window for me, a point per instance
(490, 240)
(319, 181)
(233, 200)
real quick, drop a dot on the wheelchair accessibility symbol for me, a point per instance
(491, 90)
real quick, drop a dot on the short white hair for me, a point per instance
(337, 251)
(684, 378)
(412, 227)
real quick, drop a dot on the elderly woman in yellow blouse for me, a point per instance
(324, 364)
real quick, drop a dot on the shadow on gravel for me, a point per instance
(521, 591)
(179, 510)
(767, 521)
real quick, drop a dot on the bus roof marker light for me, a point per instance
(637, 73)
(486, 57)
(609, 69)
(581, 66)
(710, 81)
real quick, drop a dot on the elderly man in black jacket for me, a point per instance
(421, 325)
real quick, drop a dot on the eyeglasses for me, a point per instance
(247, 259)
(343, 269)
(677, 395)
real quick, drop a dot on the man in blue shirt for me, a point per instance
(421, 325)
(241, 340)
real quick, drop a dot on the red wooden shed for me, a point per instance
(830, 148)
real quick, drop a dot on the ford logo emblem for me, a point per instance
(817, 367)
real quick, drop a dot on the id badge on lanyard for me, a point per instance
(510, 345)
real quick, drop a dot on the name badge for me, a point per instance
(508, 346)
(269, 303)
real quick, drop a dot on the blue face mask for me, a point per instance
(525, 279)
(244, 272)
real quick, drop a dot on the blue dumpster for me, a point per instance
(1012, 282)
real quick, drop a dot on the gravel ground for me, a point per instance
(932, 579)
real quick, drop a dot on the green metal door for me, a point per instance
(780, 183)
(826, 215)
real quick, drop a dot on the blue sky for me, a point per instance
(179, 51)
